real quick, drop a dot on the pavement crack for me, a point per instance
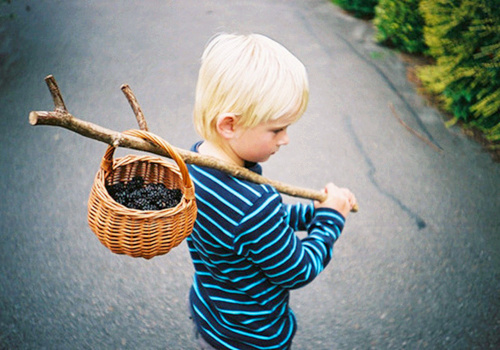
(420, 222)
(392, 87)
(376, 68)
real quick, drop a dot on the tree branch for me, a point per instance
(62, 118)
(141, 120)
(56, 94)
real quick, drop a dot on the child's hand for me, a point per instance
(340, 199)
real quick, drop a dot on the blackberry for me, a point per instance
(116, 189)
(136, 183)
(136, 195)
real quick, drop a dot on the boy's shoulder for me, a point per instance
(214, 185)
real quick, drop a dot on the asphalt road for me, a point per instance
(416, 268)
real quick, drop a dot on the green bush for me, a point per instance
(464, 38)
(359, 8)
(400, 24)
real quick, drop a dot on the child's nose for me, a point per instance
(284, 139)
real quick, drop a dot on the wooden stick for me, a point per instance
(141, 120)
(56, 93)
(62, 118)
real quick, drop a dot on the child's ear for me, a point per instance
(226, 125)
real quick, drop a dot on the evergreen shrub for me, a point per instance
(359, 8)
(400, 24)
(464, 38)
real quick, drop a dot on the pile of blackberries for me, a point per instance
(135, 195)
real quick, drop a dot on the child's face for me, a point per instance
(259, 143)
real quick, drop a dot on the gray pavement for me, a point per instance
(416, 268)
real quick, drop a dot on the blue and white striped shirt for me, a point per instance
(247, 257)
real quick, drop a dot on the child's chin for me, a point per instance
(266, 158)
(261, 159)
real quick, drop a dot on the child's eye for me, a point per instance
(277, 131)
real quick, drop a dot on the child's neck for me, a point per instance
(211, 149)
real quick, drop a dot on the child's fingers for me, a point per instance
(350, 197)
(331, 188)
(341, 199)
(353, 202)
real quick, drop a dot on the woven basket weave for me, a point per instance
(139, 233)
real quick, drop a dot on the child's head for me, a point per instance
(249, 76)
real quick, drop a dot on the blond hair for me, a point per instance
(250, 76)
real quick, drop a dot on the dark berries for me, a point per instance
(136, 195)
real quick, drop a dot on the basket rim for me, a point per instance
(107, 161)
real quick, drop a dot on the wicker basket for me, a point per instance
(134, 232)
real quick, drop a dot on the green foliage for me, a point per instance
(464, 38)
(359, 8)
(400, 24)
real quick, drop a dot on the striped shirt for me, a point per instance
(247, 258)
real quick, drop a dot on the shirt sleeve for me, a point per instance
(299, 215)
(267, 239)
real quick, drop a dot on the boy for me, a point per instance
(245, 252)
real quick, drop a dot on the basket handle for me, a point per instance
(107, 160)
